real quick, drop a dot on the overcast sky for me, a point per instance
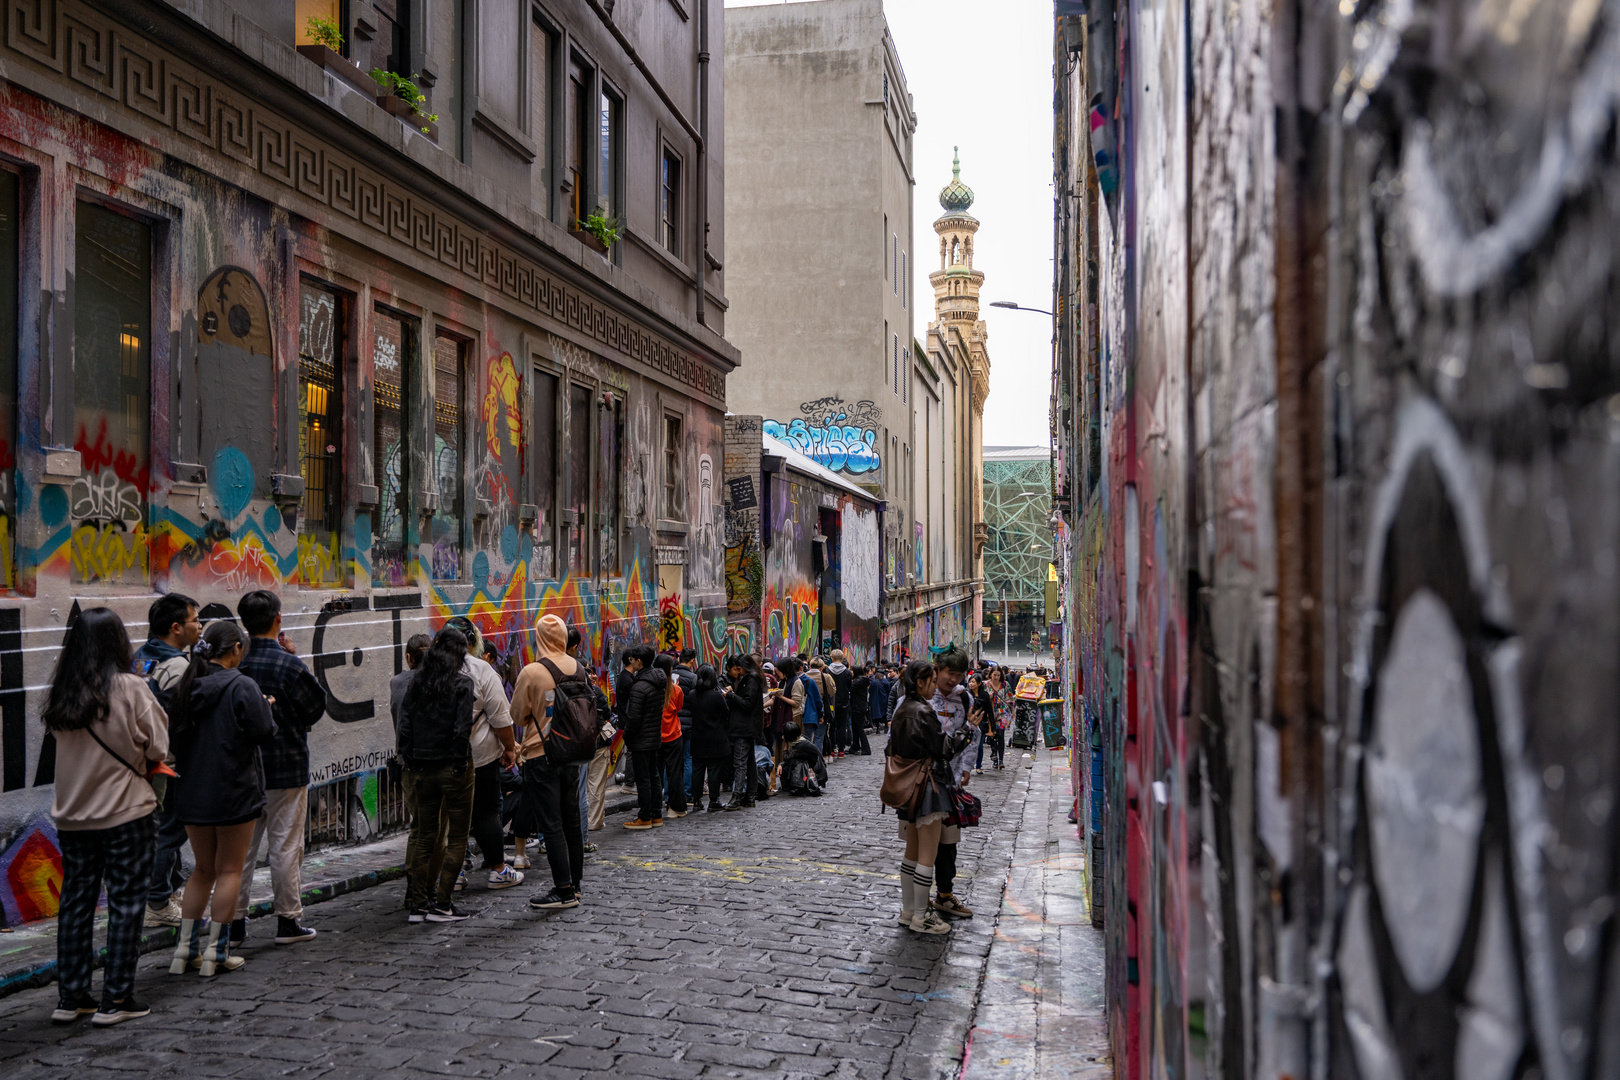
(980, 76)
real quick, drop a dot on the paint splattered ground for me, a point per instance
(726, 945)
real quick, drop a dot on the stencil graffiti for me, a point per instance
(841, 448)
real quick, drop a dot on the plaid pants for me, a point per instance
(122, 857)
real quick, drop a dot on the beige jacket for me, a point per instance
(93, 789)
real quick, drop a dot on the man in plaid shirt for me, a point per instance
(298, 703)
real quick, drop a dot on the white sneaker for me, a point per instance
(906, 917)
(520, 863)
(928, 923)
(505, 877)
(167, 915)
(461, 882)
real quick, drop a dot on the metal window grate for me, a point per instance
(357, 807)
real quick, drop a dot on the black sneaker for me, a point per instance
(69, 1011)
(418, 914)
(116, 1012)
(554, 900)
(447, 914)
(714, 807)
(288, 932)
(238, 932)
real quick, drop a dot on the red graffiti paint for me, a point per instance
(93, 457)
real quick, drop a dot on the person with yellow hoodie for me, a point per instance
(550, 791)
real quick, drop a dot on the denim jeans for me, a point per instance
(813, 733)
(168, 866)
(742, 767)
(440, 797)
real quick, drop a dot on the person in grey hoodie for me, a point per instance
(219, 724)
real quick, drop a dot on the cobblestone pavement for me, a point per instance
(759, 943)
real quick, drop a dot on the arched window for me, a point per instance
(956, 252)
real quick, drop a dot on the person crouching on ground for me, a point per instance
(550, 790)
(804, 769)
(435, 743)
(711, 739)
(643, 717)
(220, 723)
(915, 732)
(109, 731)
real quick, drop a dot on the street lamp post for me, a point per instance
(1010, 306)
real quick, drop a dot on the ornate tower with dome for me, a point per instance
(958, 344)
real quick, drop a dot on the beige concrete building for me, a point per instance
(819, 124)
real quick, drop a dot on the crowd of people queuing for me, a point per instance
(200, 736)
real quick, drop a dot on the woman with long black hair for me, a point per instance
(435, 743)
(915, 732)
(745, 695)
(218, 722)
(109, 732)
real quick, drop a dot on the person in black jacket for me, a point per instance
(435, 743)
(915, 733)
(843, 680)
(804, 770)
(710, 738)
(745, 694)
(881, 688)
(643, 717)
(860, 705)
(219, 726)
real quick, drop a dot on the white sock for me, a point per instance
(907, 886)
(924, 877)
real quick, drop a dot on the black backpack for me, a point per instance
(579, 711)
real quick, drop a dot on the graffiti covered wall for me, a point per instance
(1360, 824)
(304, 401)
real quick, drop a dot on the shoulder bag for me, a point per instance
(903, 780)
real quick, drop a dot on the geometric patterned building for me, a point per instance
(1017, 500)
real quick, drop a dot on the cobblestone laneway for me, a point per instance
(760, 943)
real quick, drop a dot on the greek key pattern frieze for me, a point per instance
(95, 53)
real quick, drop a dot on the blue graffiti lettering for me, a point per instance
(840, 448)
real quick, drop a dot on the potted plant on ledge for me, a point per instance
(597, 231)
(326, 50)
(404, 99)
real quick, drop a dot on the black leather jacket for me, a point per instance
(915, 732)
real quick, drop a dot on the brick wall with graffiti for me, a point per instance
(385, 437)
(1343, 547)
